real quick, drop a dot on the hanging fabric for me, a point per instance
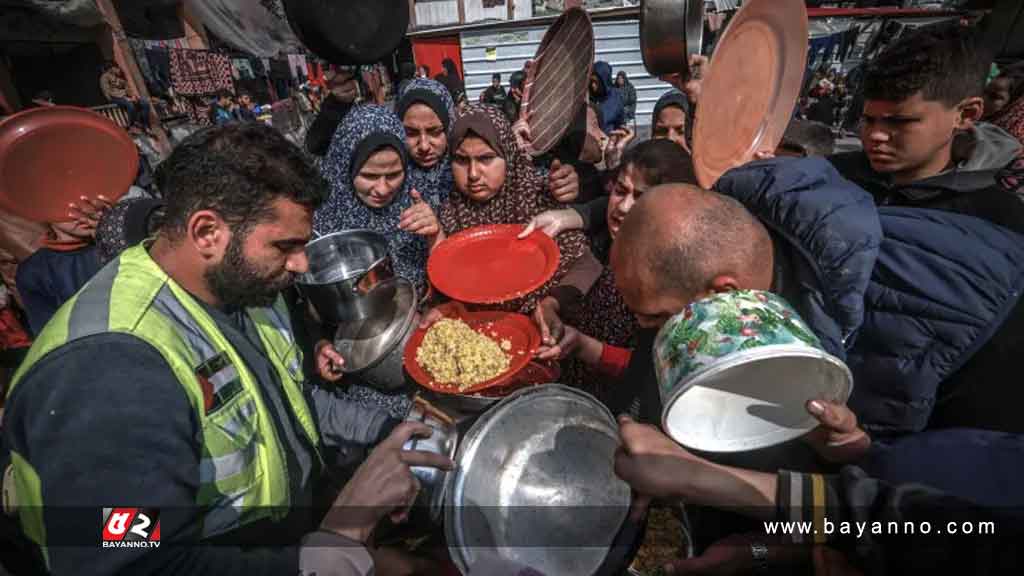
(195, 72)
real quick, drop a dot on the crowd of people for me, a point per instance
(174, 366)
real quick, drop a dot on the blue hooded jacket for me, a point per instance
(612, 107)
(905, 295)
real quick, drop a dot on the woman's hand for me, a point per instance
(86, 213)
(617, 143)
(554, 222)
(328, 362)
(420, 218)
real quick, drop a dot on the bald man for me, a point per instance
(923, 305)
(685, 244)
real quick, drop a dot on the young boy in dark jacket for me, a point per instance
(924, 144)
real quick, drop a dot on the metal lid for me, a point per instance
(363, 343)
(535, 485)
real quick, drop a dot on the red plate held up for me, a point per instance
(55, 155)
(518, 329)
(489, 264)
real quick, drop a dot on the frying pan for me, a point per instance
(349, 33)
(670, 30)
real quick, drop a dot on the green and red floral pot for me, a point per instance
(735, 371)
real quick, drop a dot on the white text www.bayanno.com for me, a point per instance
(861, 529)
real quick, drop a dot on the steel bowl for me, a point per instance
(735, 371)
(444, 441)
(373, 348)
(670, 31)
(534, 485)
(347, 276)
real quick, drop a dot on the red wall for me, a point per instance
(432, 51)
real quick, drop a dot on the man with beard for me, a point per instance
(172, 384)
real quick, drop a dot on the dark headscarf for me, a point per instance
(365, 130)
(435, 183)
(679, 100)
(523, 195)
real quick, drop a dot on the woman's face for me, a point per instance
(380, 178)
(997, 96)
(671, 125)
(627, 189)
(424, 135)
(620, 80)
(479, 171)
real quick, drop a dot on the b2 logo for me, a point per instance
(131, 528)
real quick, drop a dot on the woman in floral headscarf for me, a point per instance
(496, 184)
(427, 113)
(367, 170)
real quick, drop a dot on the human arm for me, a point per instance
(343, 422)
(588, 217)
(332, 111)
(34, 288)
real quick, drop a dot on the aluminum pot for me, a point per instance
(670, 31)
(347, 276)
(444, 441)
(534, 486)
(373, 348)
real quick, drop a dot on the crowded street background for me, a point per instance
(510, 287)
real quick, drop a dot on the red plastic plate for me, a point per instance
(55, 155)
(518, 329)
(488, 264)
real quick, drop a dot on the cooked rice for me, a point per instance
(454, 353)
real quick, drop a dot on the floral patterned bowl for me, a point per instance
(735, 371)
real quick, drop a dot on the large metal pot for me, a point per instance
(670, 31)
(347, 277)
(374, 348)
(534, 486)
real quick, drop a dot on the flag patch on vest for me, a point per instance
(219, 380)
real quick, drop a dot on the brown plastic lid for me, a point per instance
(52, 156)
(749, 94)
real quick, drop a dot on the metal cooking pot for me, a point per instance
(445, 441)
(535, 486)
(670, 30)
(347, 277)
(374, 348)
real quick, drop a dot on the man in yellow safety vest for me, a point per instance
(161, 422)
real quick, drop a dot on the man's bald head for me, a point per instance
(680, 243)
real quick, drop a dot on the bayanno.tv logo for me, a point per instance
(131, 528)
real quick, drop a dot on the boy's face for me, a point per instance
(911, 139)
